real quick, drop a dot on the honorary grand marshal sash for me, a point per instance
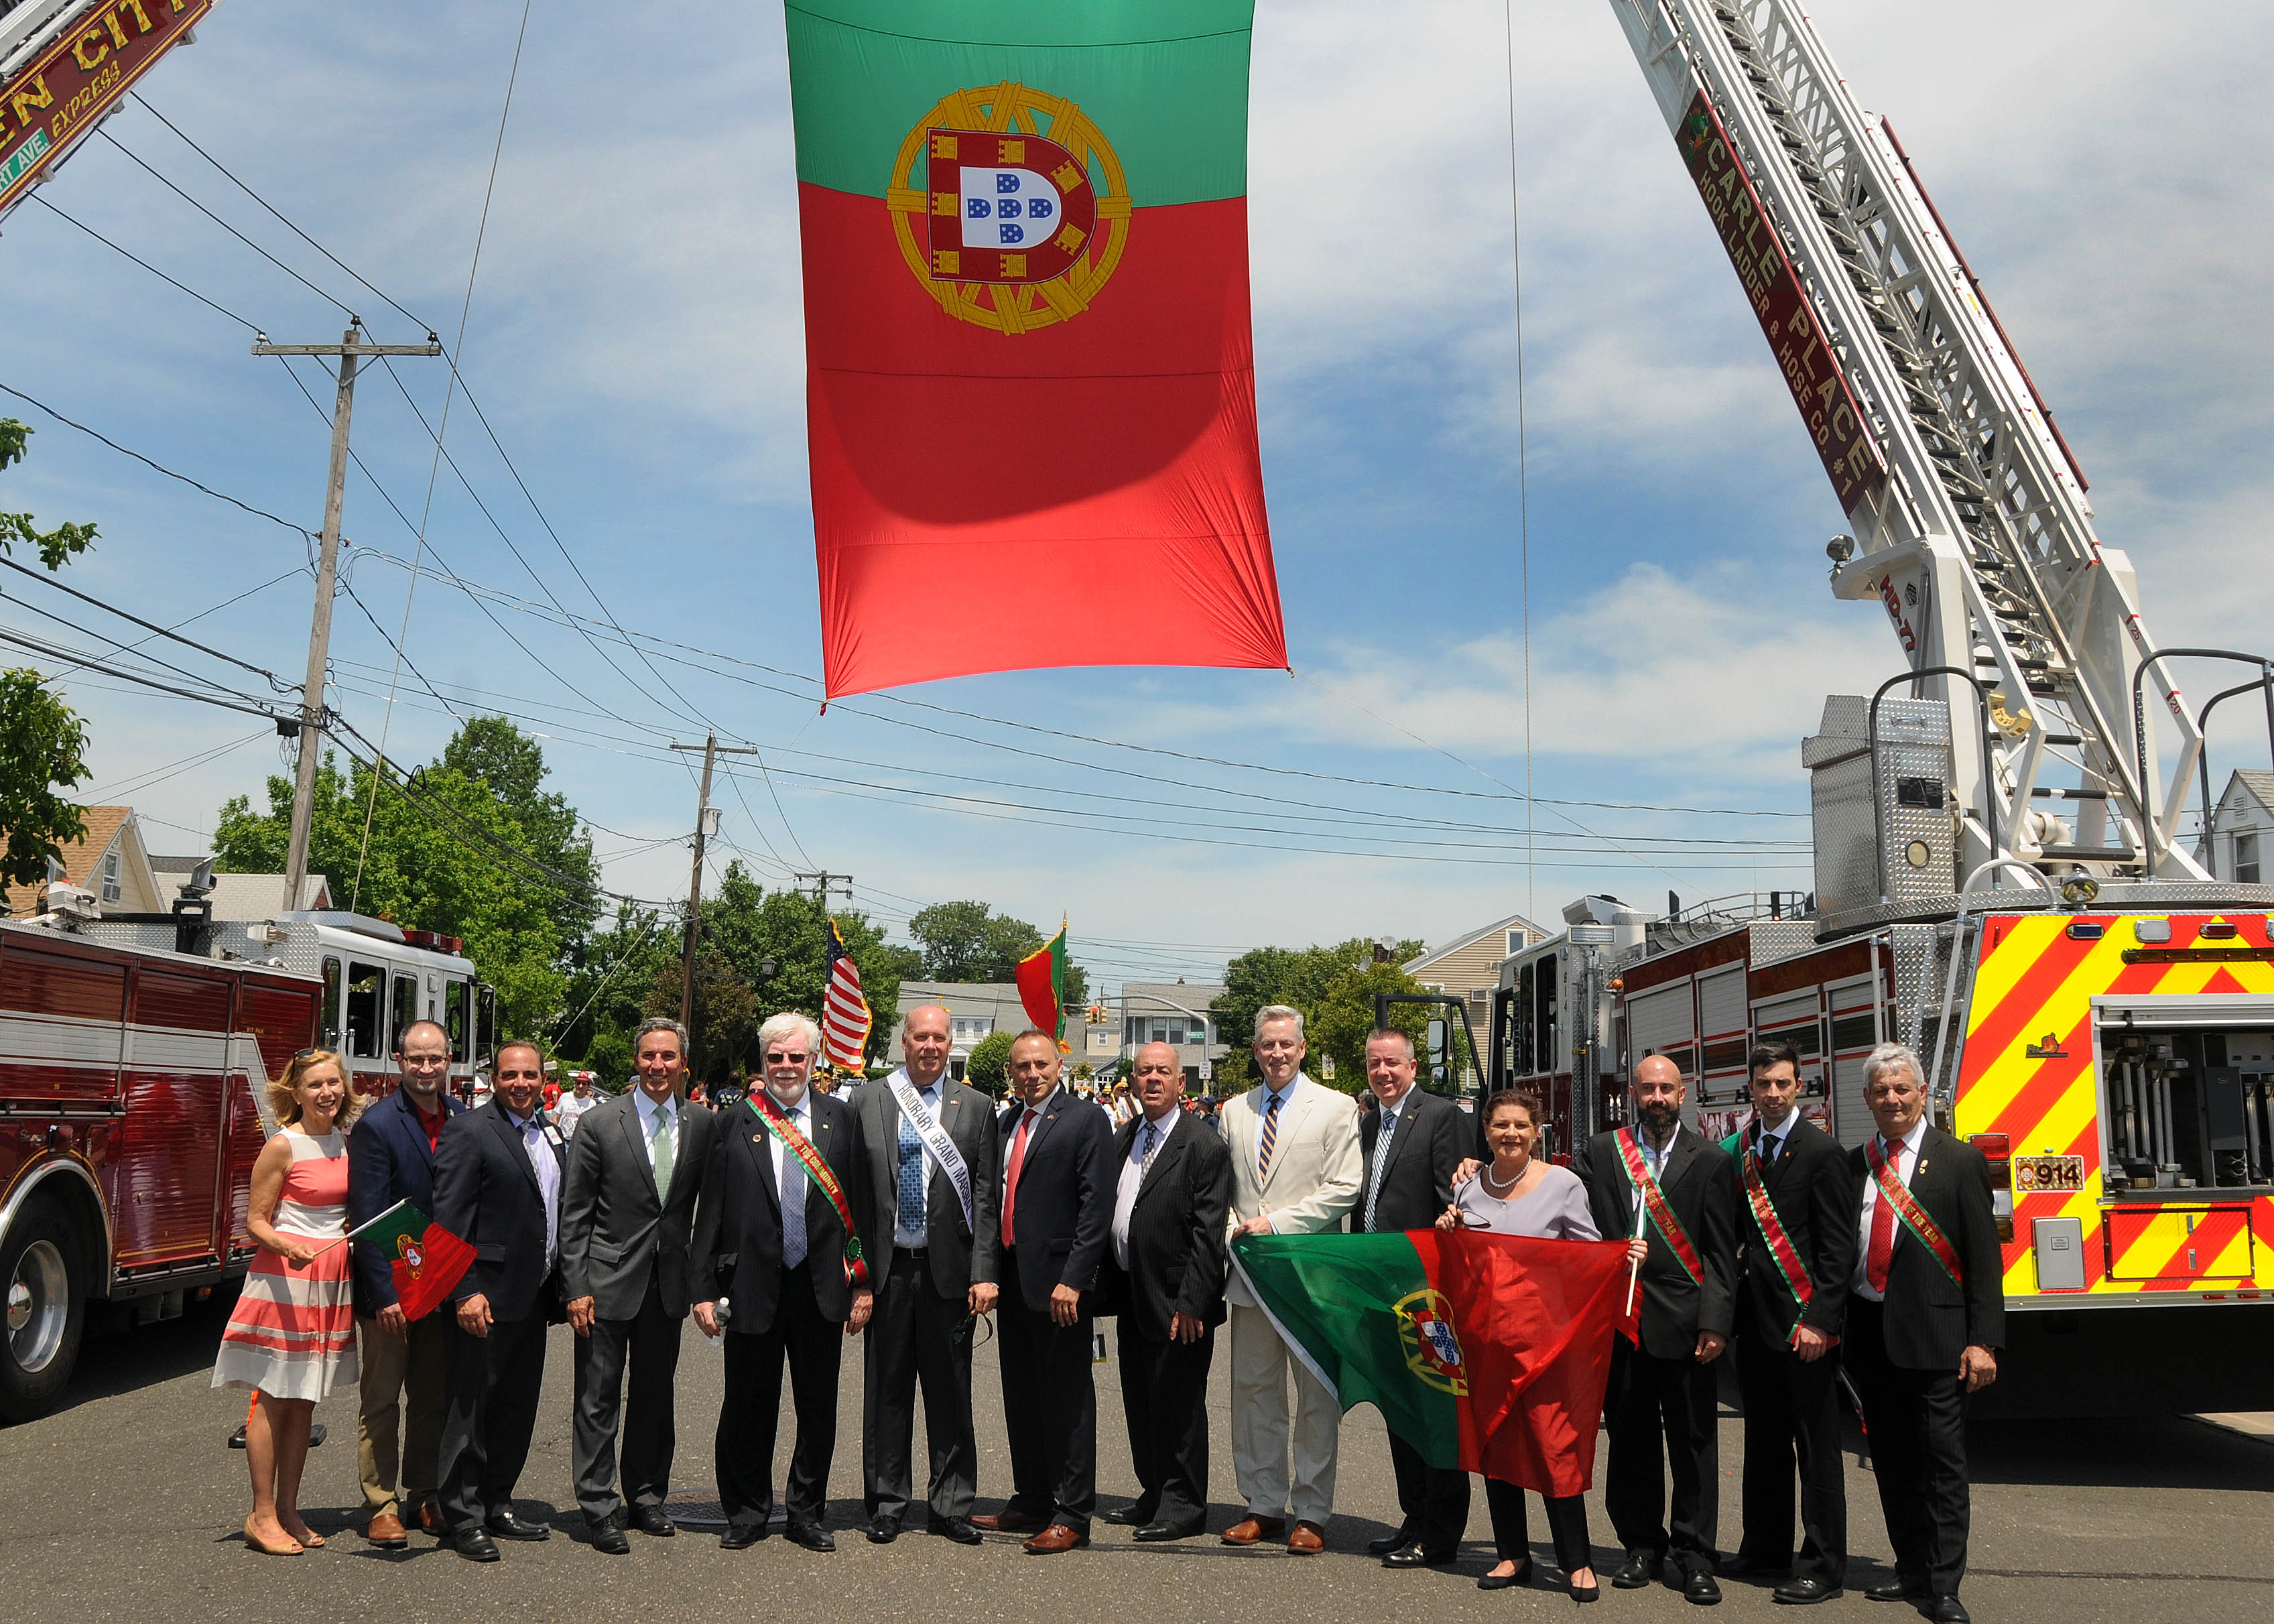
(1914, 1216)
(1766, 1219)
(936, 1142)
(767, 1110)
(1654, 1203)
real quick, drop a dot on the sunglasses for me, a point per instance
(775, 1056)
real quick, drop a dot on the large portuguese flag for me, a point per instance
(1485, 1352)
(426, 1259)
(1030, 378)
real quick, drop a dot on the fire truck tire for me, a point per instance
(41, 1272)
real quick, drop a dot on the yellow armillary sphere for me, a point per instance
(1009, 207)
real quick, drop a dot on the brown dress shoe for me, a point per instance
(1248, 1531)
(429, 1519)
(1011, 1522)
(386, 1531)
(1308, 1539)
(1056, 1538)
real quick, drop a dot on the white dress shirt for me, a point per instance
(1773, 1143)
(802, 1116)
(1905, 1163)
(1133, 1176)
(1386, 1135)
(648, 1108)
(532, 1130)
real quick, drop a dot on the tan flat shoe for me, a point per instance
(254, 1542)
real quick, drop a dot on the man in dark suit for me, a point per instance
(1665, 1387)
(497, 1186)
(391, 1159)
(1792, 1299)
(1412, 1142)
(1163, 1276)
(774, 1248)
(1057, 1207)
(1926, 1315)
(636, 1167)
(931, 1146)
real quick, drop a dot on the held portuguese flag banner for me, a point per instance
(1485, 1352)
(427, 1260)
(1030, 377)
(1042, 976)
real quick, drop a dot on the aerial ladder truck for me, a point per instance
(2094, 1008)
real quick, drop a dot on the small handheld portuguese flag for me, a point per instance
(1042, 977)
(426, 1258)
(1485, 1352)
(1029, 361)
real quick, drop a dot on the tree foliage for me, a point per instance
(970, 942)
(42, 747)
(989, 1064)
(55, 547)
(1300, 978)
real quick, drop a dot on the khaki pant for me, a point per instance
(400, 1373)
(1261, 1436)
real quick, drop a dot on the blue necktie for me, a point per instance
(912, 1165)
(793, 1205)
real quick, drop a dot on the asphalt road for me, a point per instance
(124, 1504)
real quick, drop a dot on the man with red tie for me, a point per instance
(1926, 1314)
(1058, 1210)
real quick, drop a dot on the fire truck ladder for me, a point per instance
(1983, 494)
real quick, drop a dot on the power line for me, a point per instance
(275, 681)
(145, 264)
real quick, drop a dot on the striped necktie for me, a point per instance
(1271, 1137)
(1381, 1160)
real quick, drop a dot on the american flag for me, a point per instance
(845, 1017)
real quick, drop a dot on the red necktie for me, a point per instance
(1010, 1174)
(1883, 1232)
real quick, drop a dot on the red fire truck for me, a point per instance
(129, 1117)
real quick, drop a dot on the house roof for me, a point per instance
(2258, 781)
(262, 896)
(80, 857)
(1497, 927)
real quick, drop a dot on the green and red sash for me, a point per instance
(1766, 1219)
(763, 1107)
(1892, 1192)
(1654, 1203)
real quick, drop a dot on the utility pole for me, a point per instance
(706, 824)
(351, 351)
(824, 883)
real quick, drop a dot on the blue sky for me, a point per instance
(635, 338)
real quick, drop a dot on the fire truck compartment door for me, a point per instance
(2184, 1009)
(2179, 1244)
(2059, 1246)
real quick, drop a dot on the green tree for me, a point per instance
(42, 746)
(1346, 1015)
(989, 1063)
(724, 1013)
(610, 973)
(1299, 978)
(970, 942)
(745, 924)
(55, 547)
(490, 751)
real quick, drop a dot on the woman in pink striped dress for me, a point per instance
(291, 1336)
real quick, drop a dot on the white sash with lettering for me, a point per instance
(934, 1138)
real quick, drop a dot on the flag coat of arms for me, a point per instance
(1030, 364)
(1487, 1352)
(846, 1019)
(426, 1259)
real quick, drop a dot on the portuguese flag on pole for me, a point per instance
(1030, 377)
(427, 1260)
(1042, 976)
(1485, 1352)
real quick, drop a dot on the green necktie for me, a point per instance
(660, 1142)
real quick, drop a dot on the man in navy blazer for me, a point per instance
(399, 1422)
(1058, 1212)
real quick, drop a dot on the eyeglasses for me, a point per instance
(775, 1056)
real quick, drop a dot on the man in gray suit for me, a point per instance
(627, 1217)
(932, 1246)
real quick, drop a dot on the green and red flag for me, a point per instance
(426, 1258)
(1485, 1352)
(1029, 363)
(1042, 978)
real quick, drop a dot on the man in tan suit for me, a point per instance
(1296, 1170)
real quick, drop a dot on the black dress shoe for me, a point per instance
(1153, 1533)
(883, 1530)
(505, 1525)
(1388, 1543)
(1949, 1610)
(1640, 1568)
(1125, 1516)
(317, 1432)
(653, 1520)
(1803, 1592)
(474, 1545)
(1744, 1567)
(1417, 1555)
(812, 1536)
(957, 1529)
(608, 1535)
(1699, 1590)
(1507, 1581)
(1900, 1590)
(741, 1536)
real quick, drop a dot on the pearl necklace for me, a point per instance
(1507, 1189)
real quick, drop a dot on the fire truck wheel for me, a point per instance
(46, 1310)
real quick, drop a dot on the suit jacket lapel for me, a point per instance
(1298, 1106)
(408, 1115)
(1163, 1158)
(761, 1142)
(1408, 1120)
(516, 1151)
